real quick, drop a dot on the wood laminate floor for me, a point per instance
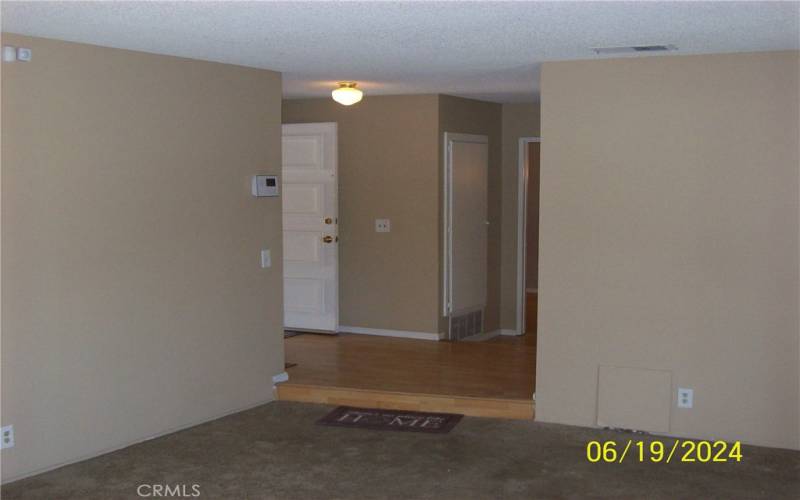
(471, 369)
(492, 378)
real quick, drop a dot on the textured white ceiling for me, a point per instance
(483, 50)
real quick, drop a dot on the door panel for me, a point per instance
(310, 214)
(467, 221)
(305, 295)
(302, 246)
(306, 151)
(304, 199)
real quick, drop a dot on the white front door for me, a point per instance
(310, 218)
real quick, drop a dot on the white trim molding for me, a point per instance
(522, 211)
(481, 337)
(389, 333)
(490, 335)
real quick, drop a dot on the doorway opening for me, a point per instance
(466, 230)
(488, 374)
(527, 303)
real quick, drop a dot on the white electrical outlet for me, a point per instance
(266, 258)
(7, 437)
(685, 397)
(383, 225)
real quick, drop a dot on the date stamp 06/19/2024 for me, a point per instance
(661, 452)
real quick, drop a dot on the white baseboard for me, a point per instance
(490, 335)
(481, 337)
(389, 333)
(281, 377)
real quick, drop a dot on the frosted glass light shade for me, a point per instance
(347, 93)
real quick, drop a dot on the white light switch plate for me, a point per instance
(383, 225)
(266, 258)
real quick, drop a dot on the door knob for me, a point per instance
(328, 220)
(328, 239)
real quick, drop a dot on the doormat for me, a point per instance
(391, 420)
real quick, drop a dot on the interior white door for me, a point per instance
(467, 226)
(310, 221)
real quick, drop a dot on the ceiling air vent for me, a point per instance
(633, 49)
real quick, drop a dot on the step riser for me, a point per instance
(474, 407)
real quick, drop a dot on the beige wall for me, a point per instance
(669, 238)
(519, 120)
(468, 116)
(132, 298)
(388, 157)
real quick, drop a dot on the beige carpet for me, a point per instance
(276, 451)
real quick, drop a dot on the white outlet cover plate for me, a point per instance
(7, 437)
(383, 225)
(685, 398)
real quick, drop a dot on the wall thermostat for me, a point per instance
(265, 185)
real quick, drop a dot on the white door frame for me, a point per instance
(447, 282)
(522, 224)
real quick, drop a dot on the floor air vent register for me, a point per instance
(465, 324)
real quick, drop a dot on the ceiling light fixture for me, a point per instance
(347, 93)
